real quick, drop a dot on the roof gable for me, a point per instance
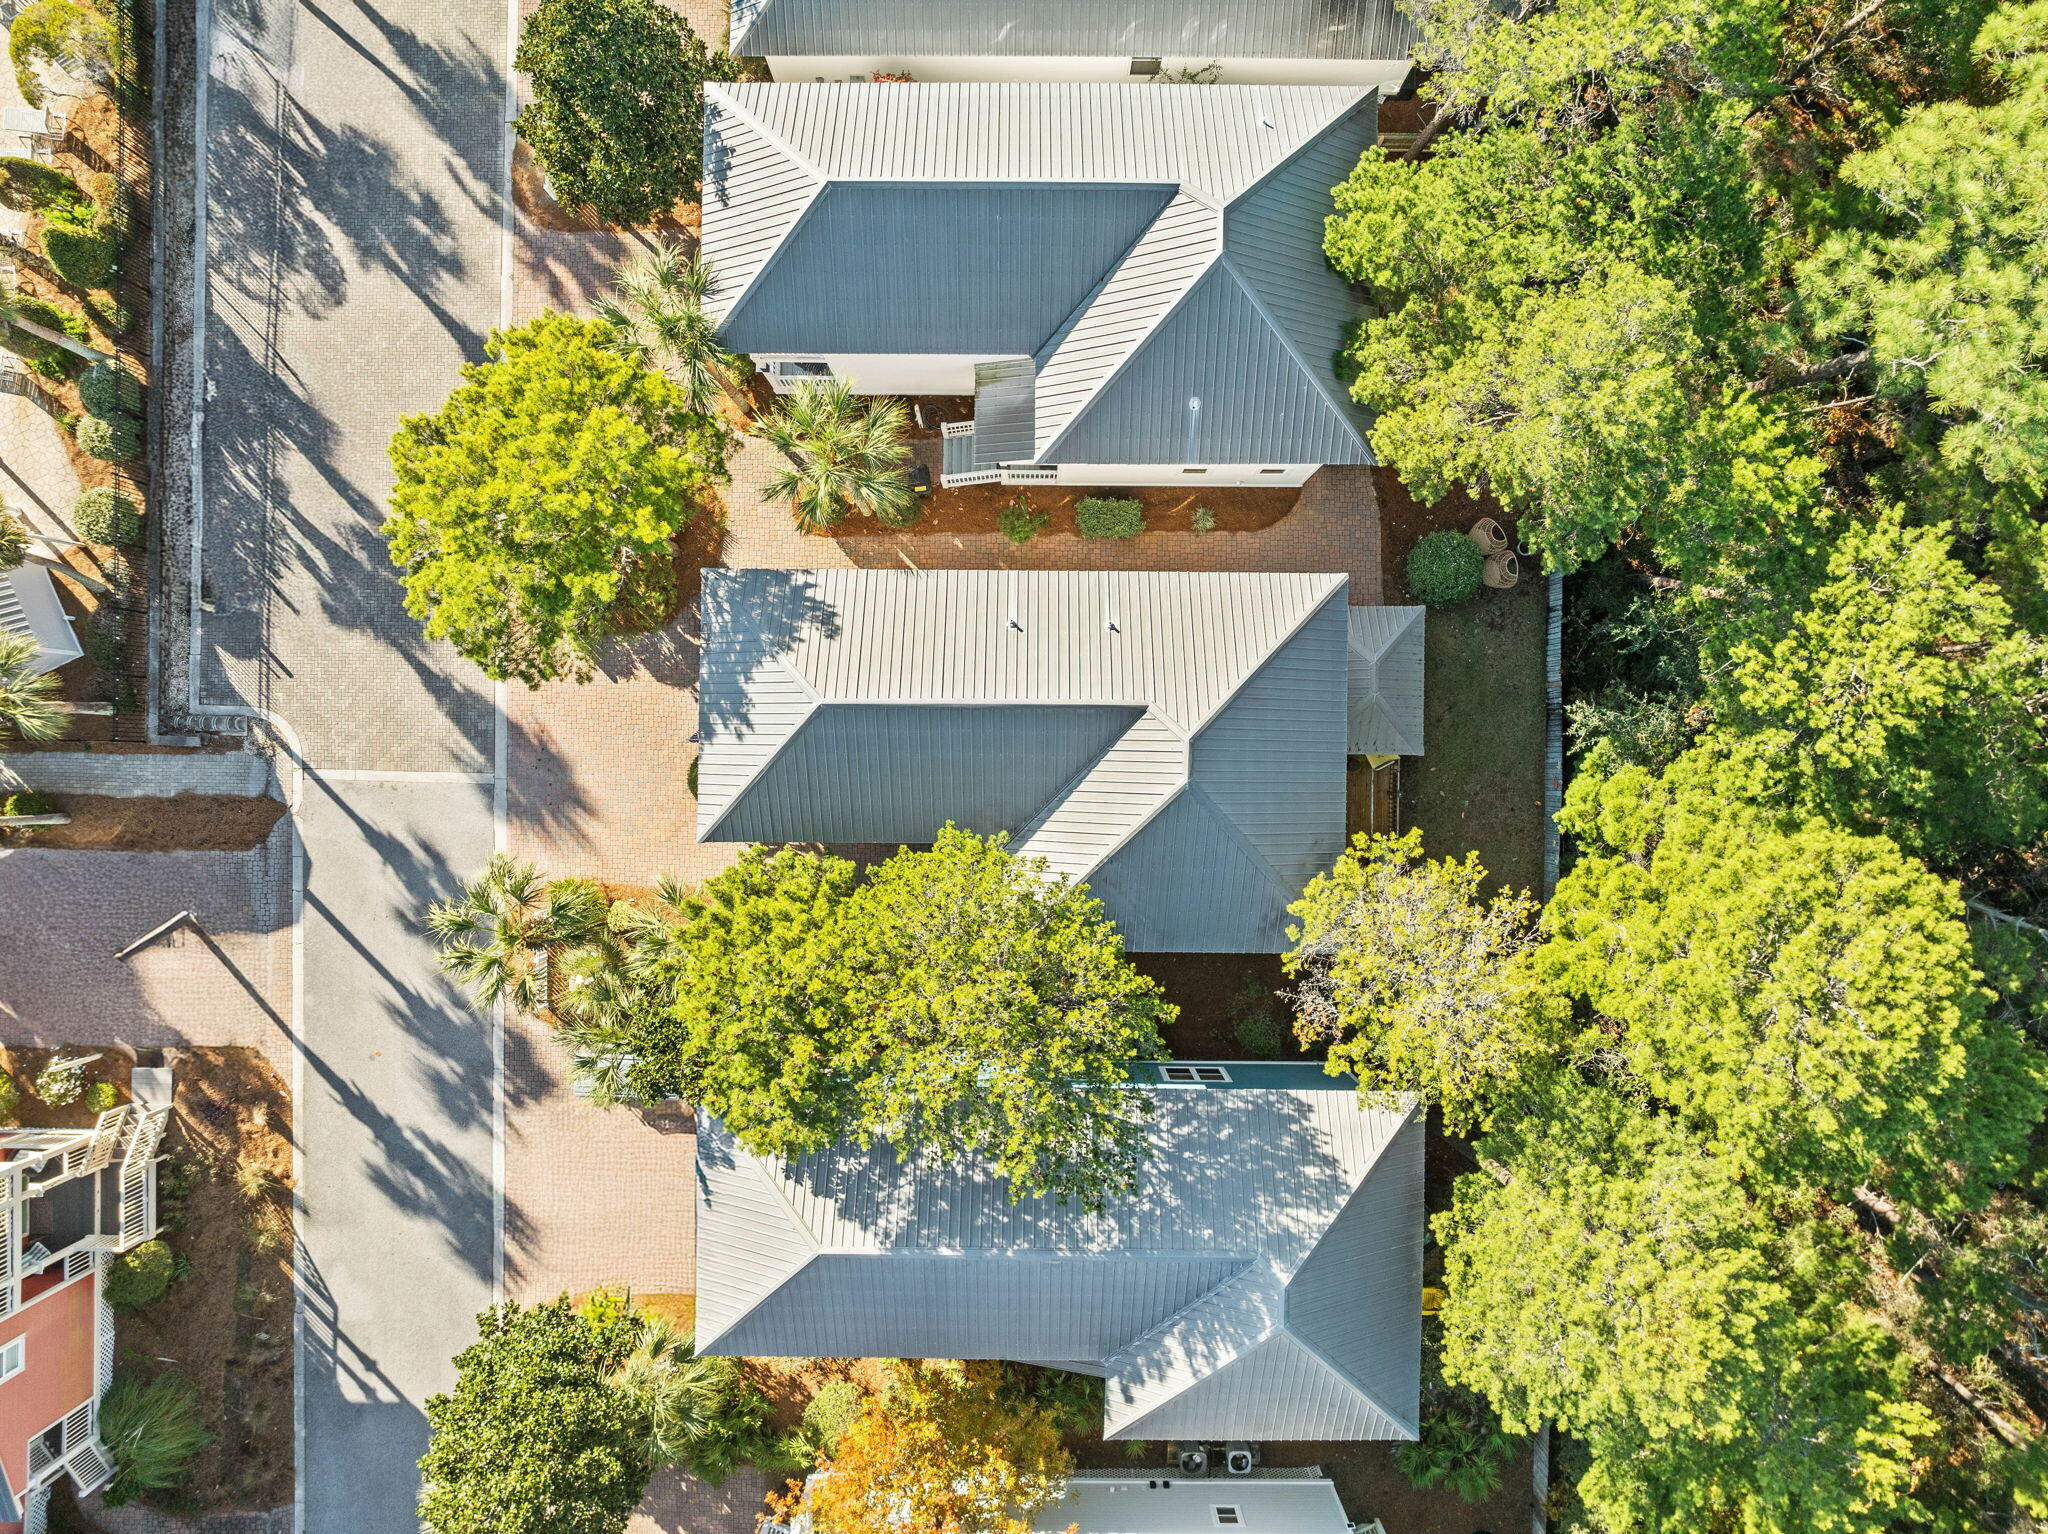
(1386, 688)
(967, 270)
(846, 772)
(1214, 382)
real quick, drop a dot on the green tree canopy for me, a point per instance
(1417, 983)
(1706, 1348)
(616, 118)
(959, 1002)
(535, 1438)
(1939, 270)
(1891, 686)
(534, 510)
(1562, 320)
(1802, 997)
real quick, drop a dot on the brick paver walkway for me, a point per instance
(140, 774)
(227, 985)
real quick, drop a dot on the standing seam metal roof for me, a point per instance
(1263, 1282)
(1176, 741)
(1219, 29)
(1226, 267)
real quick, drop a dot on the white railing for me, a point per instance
(91, 1468)
(39, 1456)
(77, 1261)
(107, 1134)
(135, 1207)
(103, 1339)
(35, 1513)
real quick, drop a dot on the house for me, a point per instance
(1262, 1284)
(1253, 42)
(1175, 741)
(70, 1200)
(29, 606)
(1127, 1502)
(1133, 1502)
(1128, 280)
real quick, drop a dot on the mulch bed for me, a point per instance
(530, 193)
(1214, 991)
(33, 1113)
(1404, 520)
(184, 823)
(976, 509)
(224, 1194)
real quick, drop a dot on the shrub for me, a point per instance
(105, 516)
(10, 1089)
(617, 110)
(106, 388)
(1020, 522)
(1445, 567)
(153, 1431)
(114, 439)
(13, 541)
(60, 1082)
(102, 1095)
(1260, 1033)
(1205, 520)
(85, 258)
(110, 197)
(29, 803)
(113, 316)
(139, 1278)
(1102, 518)
(1462, 1449)
(830, 1413)
(34, 187)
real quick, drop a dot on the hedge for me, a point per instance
(113, 439)
(106, 516)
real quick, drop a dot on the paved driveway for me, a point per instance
(354, 155)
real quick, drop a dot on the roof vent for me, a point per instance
(1265, 105)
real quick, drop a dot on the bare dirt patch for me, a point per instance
(224, 1193)
(182, 823)
(1215, 992)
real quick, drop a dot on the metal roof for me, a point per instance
(1175, 741)
(950, 269)
(1263, 1282)
(29, 607)
(1386, 681)
(1118, 1502)
(1145, 246)
(1208, 29)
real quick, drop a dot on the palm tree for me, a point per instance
(26, 705)
(678, 1393)
(843, 456)
(10, 314)
(657, 315)
(507, 915)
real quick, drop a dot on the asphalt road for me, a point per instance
(354, 172)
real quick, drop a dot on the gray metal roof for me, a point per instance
(1203, 29)
(949, 269)
(1119, 1502)
(1263, 1283)
(1174, 741)
(1144, 246)
(1386, 681)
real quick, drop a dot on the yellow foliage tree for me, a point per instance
(947, 1449)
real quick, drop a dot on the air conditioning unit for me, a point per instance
(1193, 1458)
(1239, 1458)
